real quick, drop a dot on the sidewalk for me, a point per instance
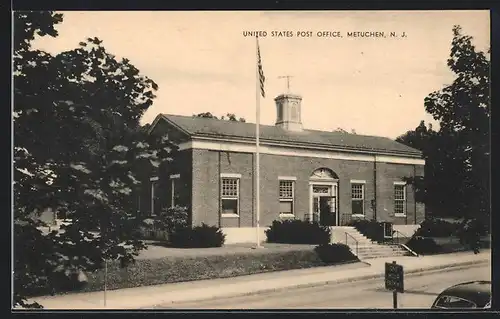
(150, 296)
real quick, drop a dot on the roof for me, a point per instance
(208, 127)
(477, 291)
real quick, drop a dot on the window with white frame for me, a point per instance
(286, 196)
(358, 198)
(230, 195)
(174, 183)
(399, 199)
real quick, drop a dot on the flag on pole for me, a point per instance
(262, 78)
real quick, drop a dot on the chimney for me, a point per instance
(288, 111)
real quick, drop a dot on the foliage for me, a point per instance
(457, 173)
(228, 117)
(77, 145)
(203, 236)
(341, 130)
(171, 219)
(296, 231)
(372, 229)
(334, 253)
(470, 234)
(424, 245)
(435, 227)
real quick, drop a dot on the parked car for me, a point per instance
(467, 295)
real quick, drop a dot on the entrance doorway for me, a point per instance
(323, 194)
(324, 198)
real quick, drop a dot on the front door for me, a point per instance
(327, 211)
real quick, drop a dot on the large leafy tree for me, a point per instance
(228, 117)
(457, 156)
(437, 188)
(77, 145)
(463, 112)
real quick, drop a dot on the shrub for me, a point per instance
(424, 245)
(298, 232)
(203, 236)
(172, 218)
(470, 232)
(433, 227)
(372, 229)
(334, 253)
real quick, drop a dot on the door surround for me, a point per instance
(333, 187)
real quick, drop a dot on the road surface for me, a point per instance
(420, 292)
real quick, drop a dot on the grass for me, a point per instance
(212, 263)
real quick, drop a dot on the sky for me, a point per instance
(202, 61)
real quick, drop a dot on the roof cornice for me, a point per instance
(163, 117)
(311, 146)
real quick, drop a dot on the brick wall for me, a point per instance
(387, 174)
(207, 166)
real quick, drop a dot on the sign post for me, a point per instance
(394, 280)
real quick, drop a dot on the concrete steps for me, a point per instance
(366, 249)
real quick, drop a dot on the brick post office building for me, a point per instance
(331, 177)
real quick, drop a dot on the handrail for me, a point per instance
(347, 234)
(403, 245)
(397, 232)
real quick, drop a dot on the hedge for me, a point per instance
(424, 245)
(203, 236)
(335, 253)
(372, 229)
(146, 272)
(433, 227)
(294, 231)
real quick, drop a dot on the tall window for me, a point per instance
(400, 199)
(174, 180)
(358, 198)
(286, 197)
(230, 195)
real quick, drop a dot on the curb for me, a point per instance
(328, 282)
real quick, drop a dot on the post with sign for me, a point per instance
(394, 280)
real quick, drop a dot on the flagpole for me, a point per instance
(257, 141)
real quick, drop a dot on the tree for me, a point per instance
(463, 112)
(443, 170)
(228, 117)
(458, 155)
(77, 142)
(341, 130)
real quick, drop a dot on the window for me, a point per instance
(358, 198)
(286, 195)
(449, 302)
(399, 199)
(230, 194)
(173, 195)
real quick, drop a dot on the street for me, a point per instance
(420, 292)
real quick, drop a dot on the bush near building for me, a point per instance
(335, 253)
(371, 229)
(171, 227)
(434, 227)
(203, 236)
(297, 231)
(424, 245)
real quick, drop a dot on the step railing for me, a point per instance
(397, 232)
(347, 235)
(399, 236)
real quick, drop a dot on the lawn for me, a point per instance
(162, 265)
